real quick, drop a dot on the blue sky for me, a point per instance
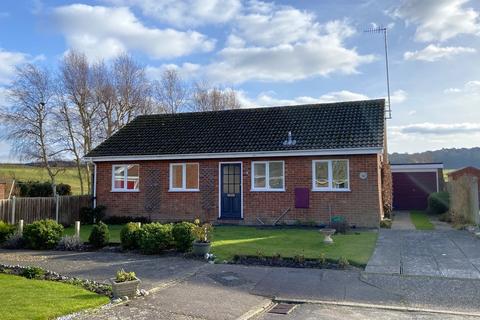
(277, 53)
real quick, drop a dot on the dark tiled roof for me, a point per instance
(356, 124)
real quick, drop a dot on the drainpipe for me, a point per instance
(94, 184)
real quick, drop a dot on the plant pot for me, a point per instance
(201, 248)
(127, 288)
(328, 233)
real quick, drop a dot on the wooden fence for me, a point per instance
(31, 209)
(464, 199)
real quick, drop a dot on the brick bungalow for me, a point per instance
(247, 166)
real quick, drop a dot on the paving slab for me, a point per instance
(329, 312)
(439, 253)
(401, 221)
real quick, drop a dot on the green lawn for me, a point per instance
(86, 229)
(231, 240)
(25, 173)
(421, 221)
(21, 298)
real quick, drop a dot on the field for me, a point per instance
(25, 173)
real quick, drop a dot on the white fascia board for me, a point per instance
(233, 155)
(427, 167)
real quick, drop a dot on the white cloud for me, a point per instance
(439, 20)
(103, 32)
(321, 55)
(433, 53)
(269, 99)
(187, 12)
(432, 136)
(186, 70)
(275, 25)
(8, 61)
(438, 128)
(470, 88)
(398, 96)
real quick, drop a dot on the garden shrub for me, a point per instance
(90, 215)
(155, 237)
(340, 224)
(14, 241)
(123, 276)
(130, 235)
(126, 219)
(42, 189)
(445, 217)
(42, 234)
(343, 262)
(69, 243)
(33, 273)
(183, 236)
(322, 258)
(438, 202)
(5, 231)
(386, 223)
(99, 236)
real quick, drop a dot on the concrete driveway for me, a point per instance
(442, 253)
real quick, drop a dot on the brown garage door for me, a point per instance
(411, 189)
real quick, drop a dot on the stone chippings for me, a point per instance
(90, 285)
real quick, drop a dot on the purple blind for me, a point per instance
(302, 198)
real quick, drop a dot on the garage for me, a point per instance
(412, 183)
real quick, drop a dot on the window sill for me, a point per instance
(331, 190)
(267, 190)
(124, 191)
(184, 190)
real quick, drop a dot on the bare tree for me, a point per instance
(29, 121)
(72, 139)
(206, 98)
(104, 96)
(171, 92)
(75, 78)
(132, 90)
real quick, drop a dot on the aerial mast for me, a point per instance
(383, 30)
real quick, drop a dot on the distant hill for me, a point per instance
(451, 158)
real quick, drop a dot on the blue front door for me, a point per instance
(231, 190)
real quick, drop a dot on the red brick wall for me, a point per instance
(361, 206)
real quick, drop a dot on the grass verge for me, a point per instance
(229, 241)
(420, 220)
(22, 298)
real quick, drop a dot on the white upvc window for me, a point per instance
(268, 176)
(125, 177)
(184, 176)
(330, 175)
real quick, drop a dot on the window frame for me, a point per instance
(125, 178)
(267, 187)
(184, 177)
(330, 187)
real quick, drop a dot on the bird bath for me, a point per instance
(328, 233)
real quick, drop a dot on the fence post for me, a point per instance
(77, 229)
(20, 227)
(56, 207)
(13, 209)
